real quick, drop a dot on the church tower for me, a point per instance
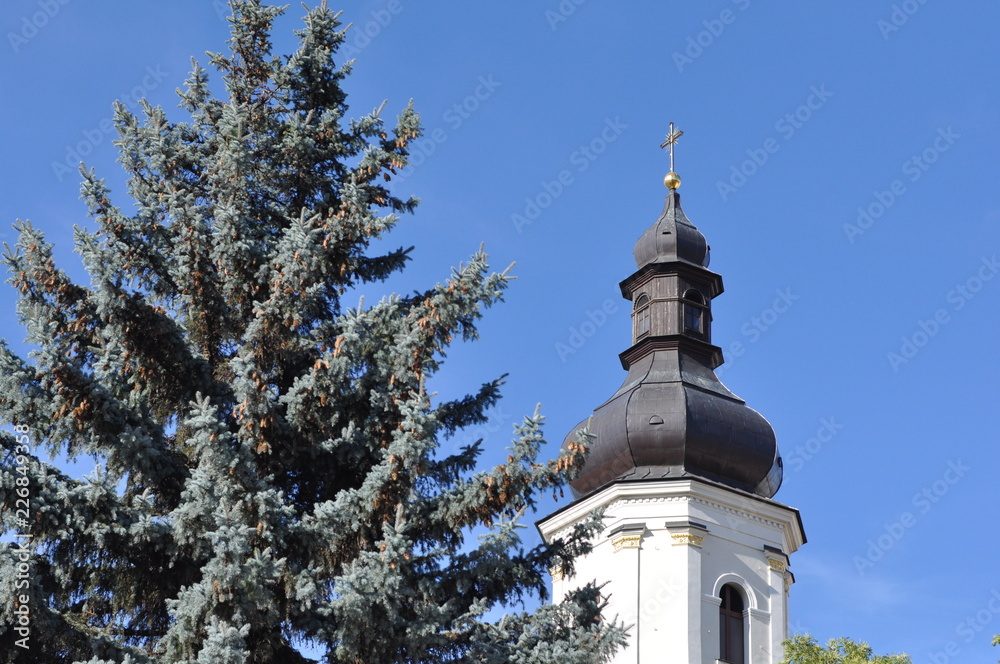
(695, 551)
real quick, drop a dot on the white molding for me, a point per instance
(736, 580)
(768, 513)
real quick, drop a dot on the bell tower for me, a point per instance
(695, 551)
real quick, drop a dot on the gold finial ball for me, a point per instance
(671, 180)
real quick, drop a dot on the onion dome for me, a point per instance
(672, 417)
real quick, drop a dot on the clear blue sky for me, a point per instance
(888, 108)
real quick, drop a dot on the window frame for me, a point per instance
(732, 625)
(693, 311)
(642, 315)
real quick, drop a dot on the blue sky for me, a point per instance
(841, 158)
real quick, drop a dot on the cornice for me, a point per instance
(740, 505)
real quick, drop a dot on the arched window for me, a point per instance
(731, 627)
(641, 316)
(694, 312)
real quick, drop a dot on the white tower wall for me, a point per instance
(666, 551)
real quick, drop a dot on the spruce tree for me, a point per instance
(271, 473)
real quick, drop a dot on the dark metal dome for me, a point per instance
(672, 238)
(672, 417)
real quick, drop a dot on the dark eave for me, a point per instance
(711, 354)
(684, 269)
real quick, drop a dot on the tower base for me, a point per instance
(668, 549)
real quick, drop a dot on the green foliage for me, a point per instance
(803, 649)
(270, 464)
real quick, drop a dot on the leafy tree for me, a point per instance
(270, 464)
(803, 649)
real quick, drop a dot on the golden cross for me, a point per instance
(672, 137)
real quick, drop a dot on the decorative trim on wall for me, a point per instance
(738, 580)
(681, 539)
(696, 499)
(626, 542)
(714, 600)
(740, 513)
